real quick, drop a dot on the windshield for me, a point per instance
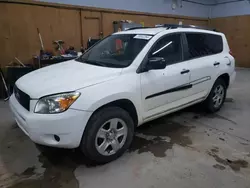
(115, 51)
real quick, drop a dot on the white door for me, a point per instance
(204, 61)
(162, 89)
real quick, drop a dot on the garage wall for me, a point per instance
(108, 18)
(233, 19)
(226, 8)
(189, 8)
(18, 32)
(73, 24)
(237, 31)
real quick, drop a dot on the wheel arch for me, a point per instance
(225, 77)
(125, 104)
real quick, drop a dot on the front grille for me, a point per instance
(22, 98)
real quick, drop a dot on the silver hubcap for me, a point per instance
(218, 96)
(111, 136)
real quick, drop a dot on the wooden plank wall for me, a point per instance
(73, 24)
(149, 21)
(237, 31)
(18, 32)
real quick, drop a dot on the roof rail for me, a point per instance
(175, 26)
(133, 28)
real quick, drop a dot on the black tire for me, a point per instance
(210, 106)
(88, 143)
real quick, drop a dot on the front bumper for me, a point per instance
(42, 128)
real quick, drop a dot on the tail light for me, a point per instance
(231, 53)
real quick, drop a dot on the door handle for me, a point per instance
(216, 63)
(185, 71)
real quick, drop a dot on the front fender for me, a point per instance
(96, 96)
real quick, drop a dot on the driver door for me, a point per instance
(165, 89)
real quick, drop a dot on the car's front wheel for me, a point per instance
(217, 96)
(108, 135)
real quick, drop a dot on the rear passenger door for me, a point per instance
(203, 54)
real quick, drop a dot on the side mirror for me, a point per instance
(155, 63)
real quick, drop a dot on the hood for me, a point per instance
(64, 77)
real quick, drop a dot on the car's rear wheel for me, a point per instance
(108, 135)
(217, 96)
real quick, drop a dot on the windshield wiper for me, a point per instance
(99, 63)
(95, 63)
(114, 65)
(92, 62)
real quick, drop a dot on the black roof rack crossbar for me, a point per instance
(175, 26)
(133, 28)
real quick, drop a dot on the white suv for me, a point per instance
(96, 101)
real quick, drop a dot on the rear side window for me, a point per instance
(202, 44)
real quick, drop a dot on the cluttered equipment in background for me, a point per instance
(61, 52)
(47, 57)
(91, 42)
(14, 70)
(124, 25)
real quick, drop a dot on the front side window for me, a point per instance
(202, 44)
(117, 51)
(169, 47)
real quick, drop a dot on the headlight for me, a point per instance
(56, 103)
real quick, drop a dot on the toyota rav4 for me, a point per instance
(96, 101)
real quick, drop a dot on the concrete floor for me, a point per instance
(185, 149)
